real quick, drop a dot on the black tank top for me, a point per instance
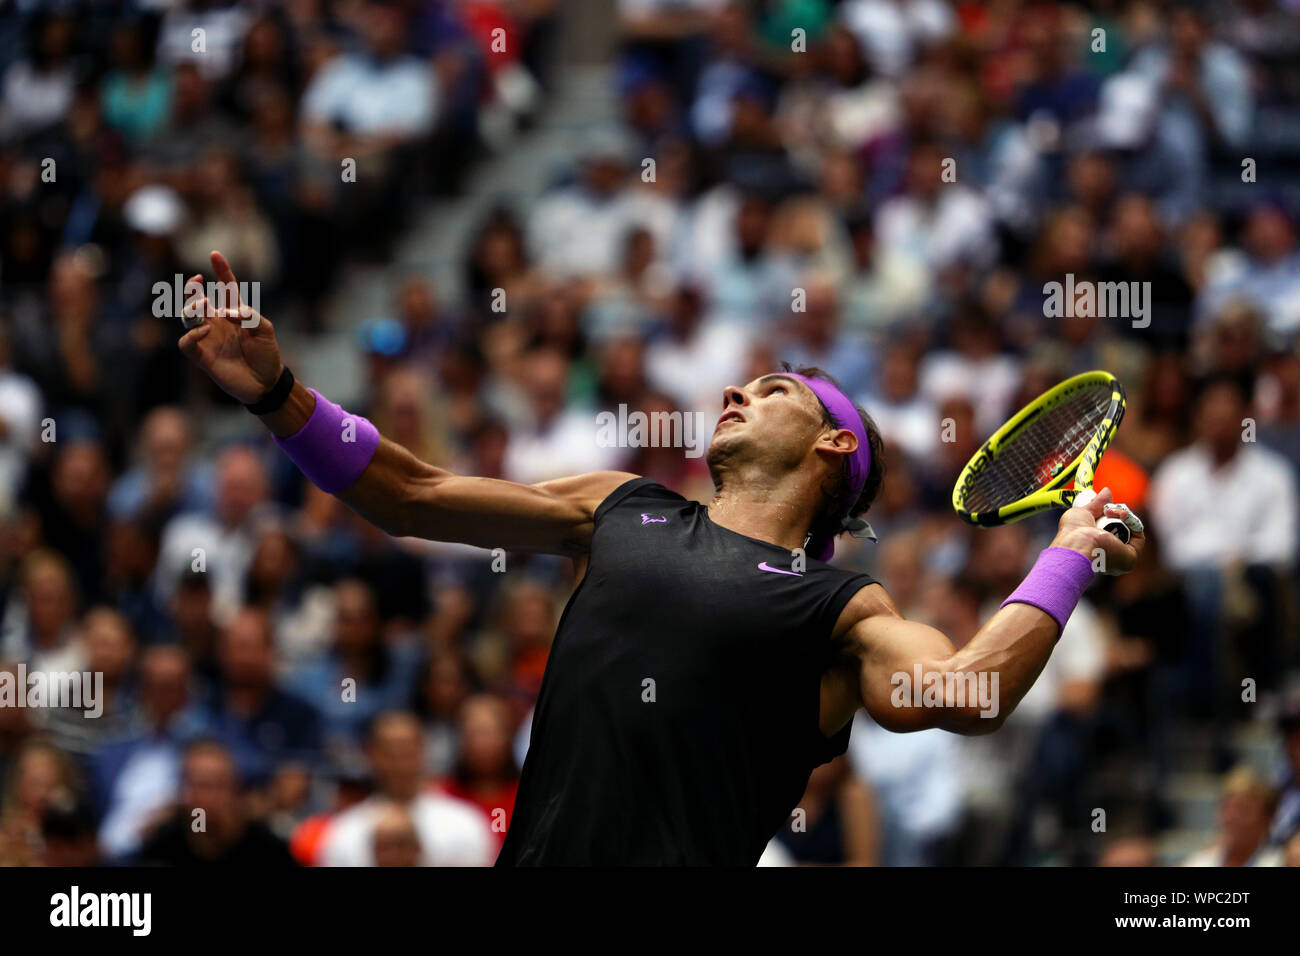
(677, 722)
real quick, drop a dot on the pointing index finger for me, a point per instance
(224, 273)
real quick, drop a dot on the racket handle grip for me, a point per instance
(1115, 526)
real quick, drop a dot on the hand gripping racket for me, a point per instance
(1044, 456)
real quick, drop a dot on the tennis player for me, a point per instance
(703, 666)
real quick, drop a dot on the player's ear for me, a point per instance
(841, 441)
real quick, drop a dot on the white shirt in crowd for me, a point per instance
(891, 33)
(452, 832)
(989, 384)
(1214, 855)
(227, 554)
(913, 424)
(567, 446)
(915, 776)
(20, 410)
(147, 783)
(223, 36)
(574, 232)
(956, 227)
(369, 98)
(1211, 517)
(695, 372)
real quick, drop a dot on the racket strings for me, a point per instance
(1038, 452)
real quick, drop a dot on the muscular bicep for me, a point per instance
(890, 650)
(875, 643)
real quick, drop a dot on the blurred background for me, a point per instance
(561, 207)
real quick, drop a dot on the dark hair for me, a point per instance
(68, 818)
(836, 502)
(1242, 384)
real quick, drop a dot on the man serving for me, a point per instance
(709, 658)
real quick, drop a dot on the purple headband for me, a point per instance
(845, 416)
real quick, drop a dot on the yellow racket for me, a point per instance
(1045, 456)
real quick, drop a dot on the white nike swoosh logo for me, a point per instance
(763, 566)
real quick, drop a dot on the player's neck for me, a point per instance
(770, 510)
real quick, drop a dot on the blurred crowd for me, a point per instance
(880, 188)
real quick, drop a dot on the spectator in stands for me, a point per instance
(552, 436)
(40, 777)
(372, 108)
(20, 415)
(1245, 809)
(167, 477)
(298, 610)
(451, 832)
(110, 649)
(37, 90)
(135, 779)
(68, 833)
(1279, 405)
(219, 543)
(41, 627)
(1225, 480)
(210, 826)
(15, 729)
(905, 788)
(1128, 851)
(1292, 853)
(904, 415)
(396, 841)
(485, 773)
(263, 726)
(360, 676)
(1286, 821)
(137, 92)
(193, 625)
(834, 823)
(1266, 273)
(1222, 467)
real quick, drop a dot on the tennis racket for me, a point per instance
(1045, 456)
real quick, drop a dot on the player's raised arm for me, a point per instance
(383, 482)
(910, 677)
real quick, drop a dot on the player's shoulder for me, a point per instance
(589, 490)
(869, 599)
(635, 489)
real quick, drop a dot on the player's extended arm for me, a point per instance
(912, 678)
(377, 478)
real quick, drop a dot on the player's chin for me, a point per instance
(726, 439)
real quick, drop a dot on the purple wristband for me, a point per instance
(333, 448)
(1055, 584)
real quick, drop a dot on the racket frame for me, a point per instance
(1054, 494)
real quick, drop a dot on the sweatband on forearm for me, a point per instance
(1055, 584)
(333, 448)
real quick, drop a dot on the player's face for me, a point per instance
(775, 417)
